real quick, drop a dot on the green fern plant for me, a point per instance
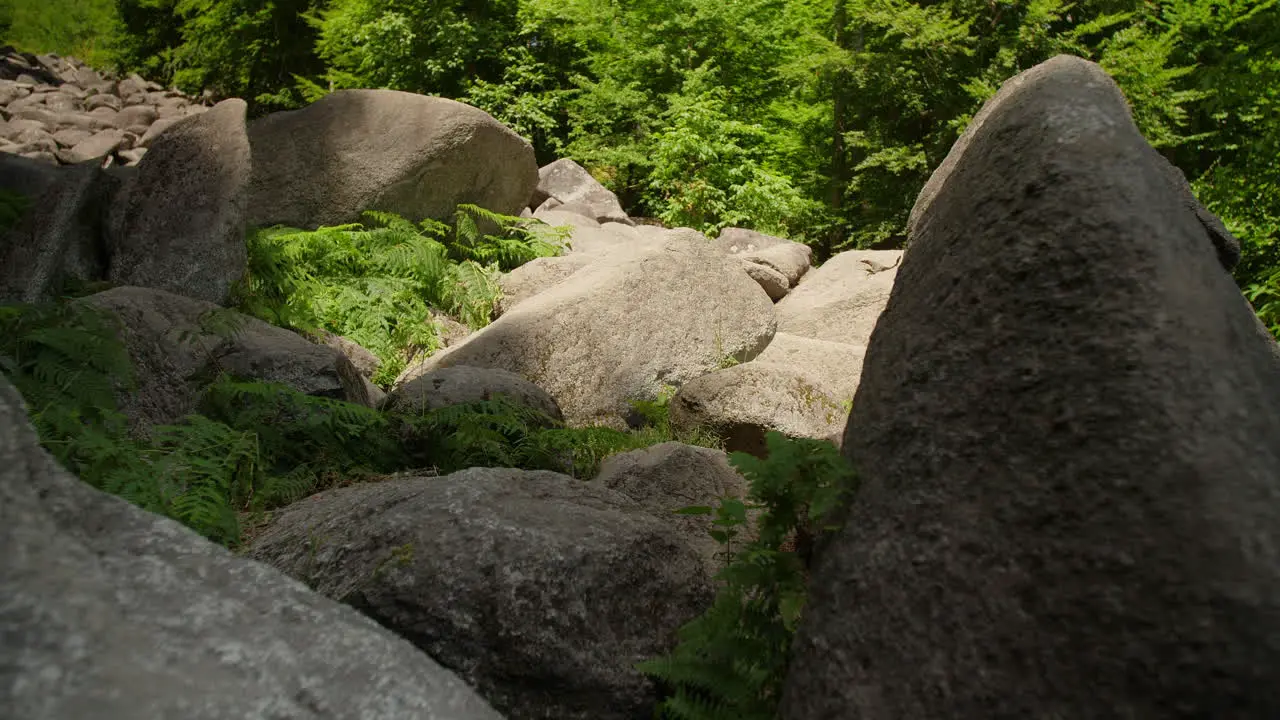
(731, 661)
(380, 284)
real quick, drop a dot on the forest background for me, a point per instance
(817, 120)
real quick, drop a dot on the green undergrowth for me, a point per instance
(251, 447)
(385, 283)
(731, 660)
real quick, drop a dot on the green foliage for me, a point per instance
(434, 47)
(381, 285)
(731, 661)
(12, 207)
(501, 433)
(255, 446)
(69, 27)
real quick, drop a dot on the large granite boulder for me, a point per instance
(842, 300)
(25, 176)
(573, 187)
(460, 384)
(744, 402)
(57, 245)
(112, 613)
(536, 276)
(836, 365)
(357, 150)
(178, 345)
(625, 326)
(179, 222)
(1068, 434)
(540, 590)
(671, 476)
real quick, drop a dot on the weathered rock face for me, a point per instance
(116, 613)
(540, 590)
(26, 176)
(461, 384)
(622, 327)
(741, 241)
(537, 276)
(175, 354)
(58, 111)
(744, 402)
(399, 152)
(364, 361)
(571, 185)
(792, 260)
(57, 243)
(773, 283)
(1068, 431)
(670, 476)
(179, 223)
(835, 365)
(842, 300)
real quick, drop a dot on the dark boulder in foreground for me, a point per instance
(1068, 432)
(112, 613)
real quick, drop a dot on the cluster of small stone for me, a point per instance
(58, 110)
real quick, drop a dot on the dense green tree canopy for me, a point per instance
(816, 119)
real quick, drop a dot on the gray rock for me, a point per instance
(742, 403)
(1068, 432)
(737, 241)
(57, 245)
(540, 590)
(624, 327)
(791, 259)
(103, 100)
(671, 476)
(203, 168)
(102, 143)
(536, 276)
(409, 154)
(773, 283)
(137, 115)
(158, 127)
(27, 177)
(842, 300)
(460, 384)
(176, 350)
(836, 365)
(112, 613)
(70, 137)
(364, 361)
(570, 184)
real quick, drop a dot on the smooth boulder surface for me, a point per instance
(112, 613)
(179, 223)
(842, 300)
(570, 184)
(540, 590)
(836, 365)
(623, 327)
(1068, 432)
(178, 345)
(536, 276)
(399, 152)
